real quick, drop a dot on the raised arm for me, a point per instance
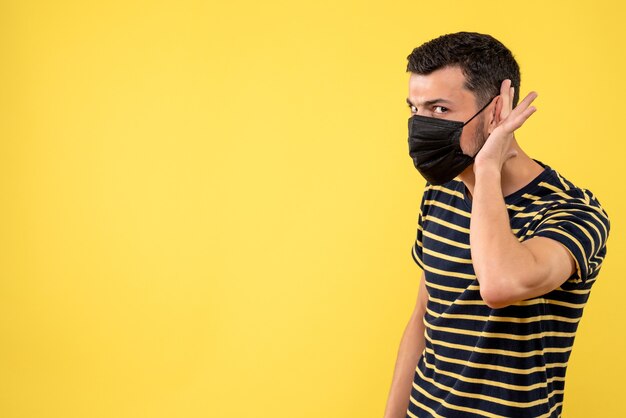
(508, 270)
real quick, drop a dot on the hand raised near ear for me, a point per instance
(511, 118)
(497, 148)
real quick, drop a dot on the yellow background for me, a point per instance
(207, 208)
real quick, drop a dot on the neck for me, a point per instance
(517, 172)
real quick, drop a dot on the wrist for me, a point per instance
(486, 170)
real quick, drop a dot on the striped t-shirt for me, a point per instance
(507, 362)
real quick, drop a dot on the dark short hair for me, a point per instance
(484, 60)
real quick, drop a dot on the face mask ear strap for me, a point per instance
(484, 107)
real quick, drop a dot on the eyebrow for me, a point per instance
(429, 102)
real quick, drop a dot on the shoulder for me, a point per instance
(451, 191)
(445, 203)
(574, 217)
(558, 193)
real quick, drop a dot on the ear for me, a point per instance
(494, 115)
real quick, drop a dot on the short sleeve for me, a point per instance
(582, 226)
(416, 250)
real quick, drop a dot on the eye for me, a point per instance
(413, 108)
(443, 109)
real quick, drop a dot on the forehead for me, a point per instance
(445, 83)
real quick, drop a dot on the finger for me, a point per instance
(511, 96)
(530, 97)
(518, 120)
(523, 105)
(506, 100)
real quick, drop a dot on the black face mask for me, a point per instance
(435, 147)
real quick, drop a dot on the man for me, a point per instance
(509, 247)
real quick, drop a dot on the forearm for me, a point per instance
(411, 347)
(500, 261)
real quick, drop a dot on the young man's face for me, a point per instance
(455, 103)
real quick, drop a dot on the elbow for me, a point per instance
(494, 301)
(494, 296)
